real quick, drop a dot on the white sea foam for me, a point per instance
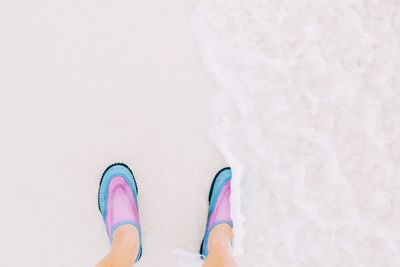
(308, 114)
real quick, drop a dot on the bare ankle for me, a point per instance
(220, 238)
(126, 241)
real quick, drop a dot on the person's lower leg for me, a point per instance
(124, 249)
(220, 247)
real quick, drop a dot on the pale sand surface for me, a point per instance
(84, 84)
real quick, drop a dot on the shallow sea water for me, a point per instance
(308, 116)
